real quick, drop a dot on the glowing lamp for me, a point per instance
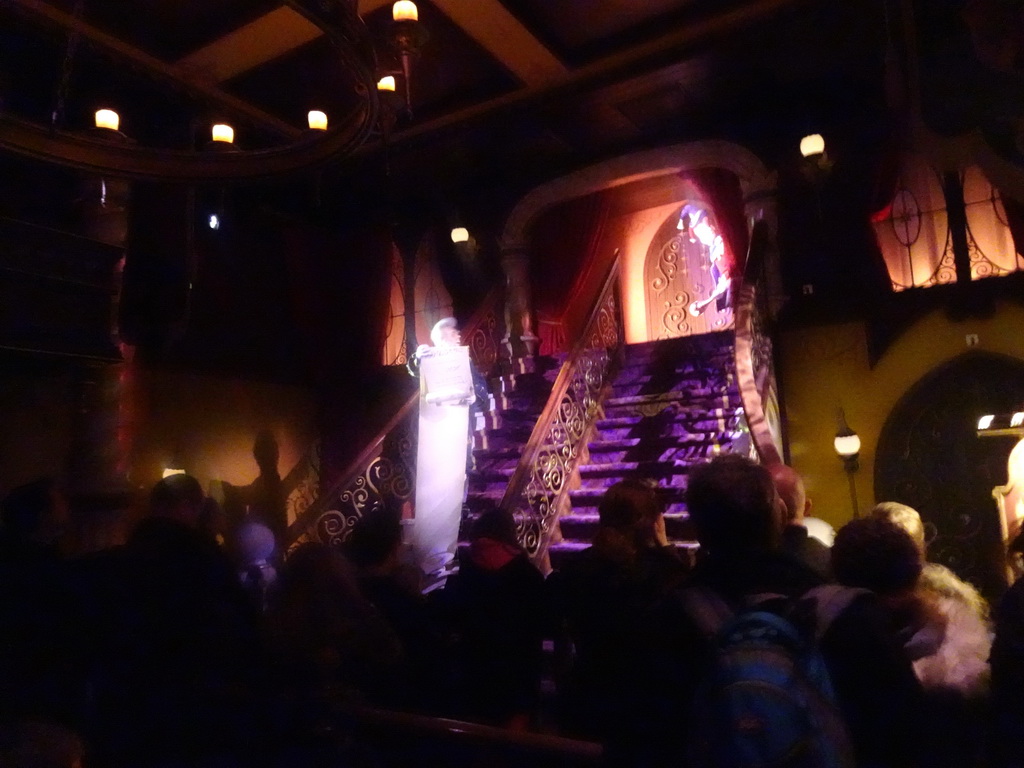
(847, 446)
(386, 84)
(317, 120)
(986, 421)
(1017, 419)
(224, 133)
(405, 10)
(812, 145)
(168, 472)
(107, 118)
(460, 235)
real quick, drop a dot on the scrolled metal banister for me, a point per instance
(755, 370)
(386, 468)
(538, 486)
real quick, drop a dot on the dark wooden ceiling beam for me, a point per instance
(656, 55)
(170, 74)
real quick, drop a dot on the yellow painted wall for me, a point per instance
(826, 367)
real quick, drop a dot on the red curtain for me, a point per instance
(564, 262)
(720, 189)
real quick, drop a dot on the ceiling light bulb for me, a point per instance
(460, 235)
(405, 10)
(812, 145)
(107, 118)
(225, 133)
(317, 120)
(386, 83)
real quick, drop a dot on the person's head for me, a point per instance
(35, 512)
(178, 497)
(253, 543)
(734, 506)
(265, 450)
(791, 490)
(906, 518)
(496, 524)
(376, 538)
(631, 508)
(445, 333)
(876, 554)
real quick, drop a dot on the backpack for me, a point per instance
(766, 700)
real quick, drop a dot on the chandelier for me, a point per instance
(105, 150)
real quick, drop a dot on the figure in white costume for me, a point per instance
(446, 393)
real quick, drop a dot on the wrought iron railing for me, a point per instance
(755, 368)
(539, 486)
(386, 469)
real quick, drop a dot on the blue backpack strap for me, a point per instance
(707, 609)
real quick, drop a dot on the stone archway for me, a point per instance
(929, 457)
(756, 183)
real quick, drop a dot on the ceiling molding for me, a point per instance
(269, 37)
(501, 34)
(154, 67)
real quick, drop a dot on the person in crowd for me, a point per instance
(796, 539)
(604, 597)
(375, 548)
(739, 521)
(253, 548)
(496, 604)
(37, 619)
(326, 644)
(177, 675)
(943, 637)
(961, 662)
(1008, 673)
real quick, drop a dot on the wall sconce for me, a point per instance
(223, 133)
(172, 471)
(816, 162)
(317, 120)
(460, 235)
(108, 119)
(847, 446)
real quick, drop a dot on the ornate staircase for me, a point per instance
(673, 404)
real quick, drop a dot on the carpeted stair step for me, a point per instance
(564, 550)
(583, 525)
(664, 425)
(659, 385)
(591, 496)
(656, 449)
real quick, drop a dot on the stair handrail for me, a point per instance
(461, 731)
(755, 368)
(536, 491)
(386, 467)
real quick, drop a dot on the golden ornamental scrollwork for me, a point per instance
(387, 477)
(485, 343)
(557, 456)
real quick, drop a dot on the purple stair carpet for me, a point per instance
(673, 404)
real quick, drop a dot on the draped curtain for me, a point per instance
(720, 190)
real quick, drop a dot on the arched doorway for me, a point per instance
(677, 272)
(930, 457)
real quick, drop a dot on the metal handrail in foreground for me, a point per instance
(536, 491)
(386, 467)
(538, 745)
(754, 360)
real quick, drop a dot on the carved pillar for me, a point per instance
(102, 441)
(520, 339)
(762, 205)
